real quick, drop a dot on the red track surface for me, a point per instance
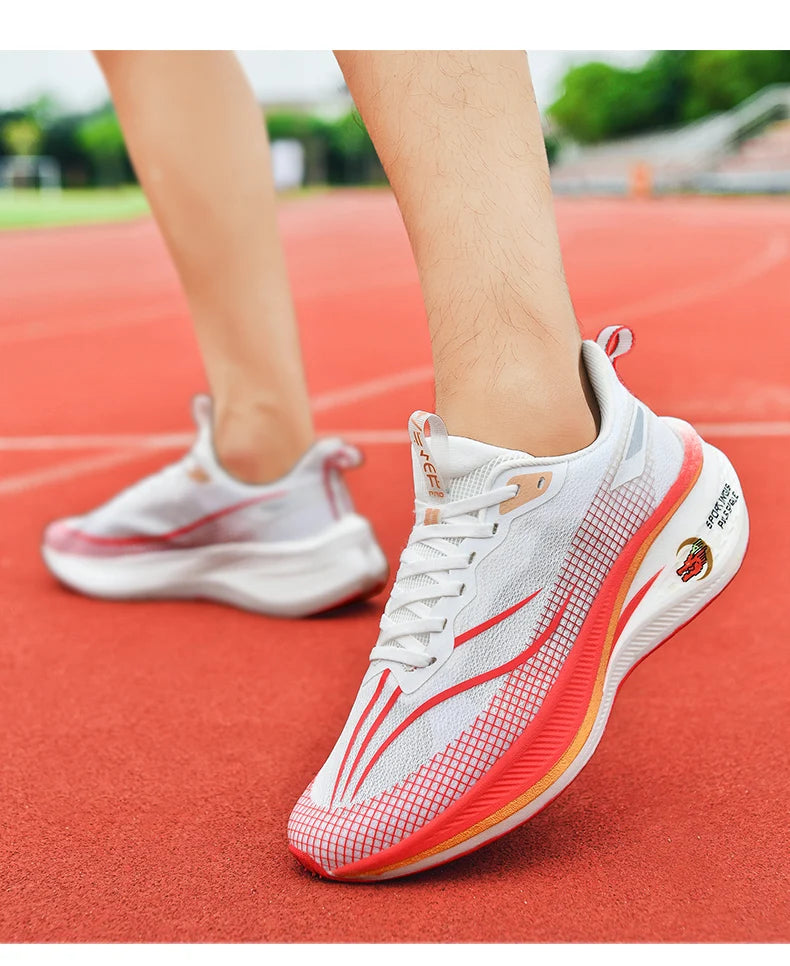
(150, 753)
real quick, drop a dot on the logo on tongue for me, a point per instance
(426, 429)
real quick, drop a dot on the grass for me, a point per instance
(28, 208)
(25, 208)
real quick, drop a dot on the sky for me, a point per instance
(276, 75)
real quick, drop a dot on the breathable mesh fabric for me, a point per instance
(459, 488)
(343, 835)
(195, 503)
(531, 557)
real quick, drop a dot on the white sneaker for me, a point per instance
(528, 590)
(290, 548)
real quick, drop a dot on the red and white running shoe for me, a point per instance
(290, 548)
(528, 590)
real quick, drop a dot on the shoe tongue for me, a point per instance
(202, 412)
(450, 467)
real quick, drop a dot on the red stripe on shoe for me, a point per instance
(362, 719)
(496, 672)
(158, 538)
(374, 728)
(632, 606)
(330, 464)
(614, 338)
(462, 639)
(468, 635)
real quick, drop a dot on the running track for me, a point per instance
(150, 754)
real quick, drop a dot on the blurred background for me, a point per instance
(616, 122)
(150, 753)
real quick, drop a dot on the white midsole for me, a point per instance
(286, 578)
(667, 606)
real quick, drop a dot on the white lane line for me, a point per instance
(334, 399)
(775, 252)
(22, 444)
(136, 446)
(175, 441)
(373, 387)
(59, 329)
(756, 428)
(66, 471)
(133, 444)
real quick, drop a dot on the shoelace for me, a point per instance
(456, 520)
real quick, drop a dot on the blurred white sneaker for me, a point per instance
(289, 548)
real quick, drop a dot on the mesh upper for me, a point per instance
(565, 548)
(160, 512)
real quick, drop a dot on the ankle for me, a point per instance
(257, 444)
(548, 417)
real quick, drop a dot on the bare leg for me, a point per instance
(199, 146)
(459, 135)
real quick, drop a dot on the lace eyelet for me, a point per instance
(463, 588)
(494, 529)
(472, 555)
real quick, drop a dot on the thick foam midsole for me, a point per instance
(705, 540)
(285, 578)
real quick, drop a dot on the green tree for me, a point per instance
(582, 108)
(552, 144)
(352, 159)
(100, 136)
(21, 135)
(337, 151)
(295, 125)
(309, 131)
(60, 141)
(719, 80)
(599, 101)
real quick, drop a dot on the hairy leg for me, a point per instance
(459, 135)
(198, 143)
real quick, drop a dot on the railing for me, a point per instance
(681, 159)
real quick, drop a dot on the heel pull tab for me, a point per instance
(615, 340)
(343, 457)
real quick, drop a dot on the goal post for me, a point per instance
(30, 171)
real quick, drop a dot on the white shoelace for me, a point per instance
(457, 520)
